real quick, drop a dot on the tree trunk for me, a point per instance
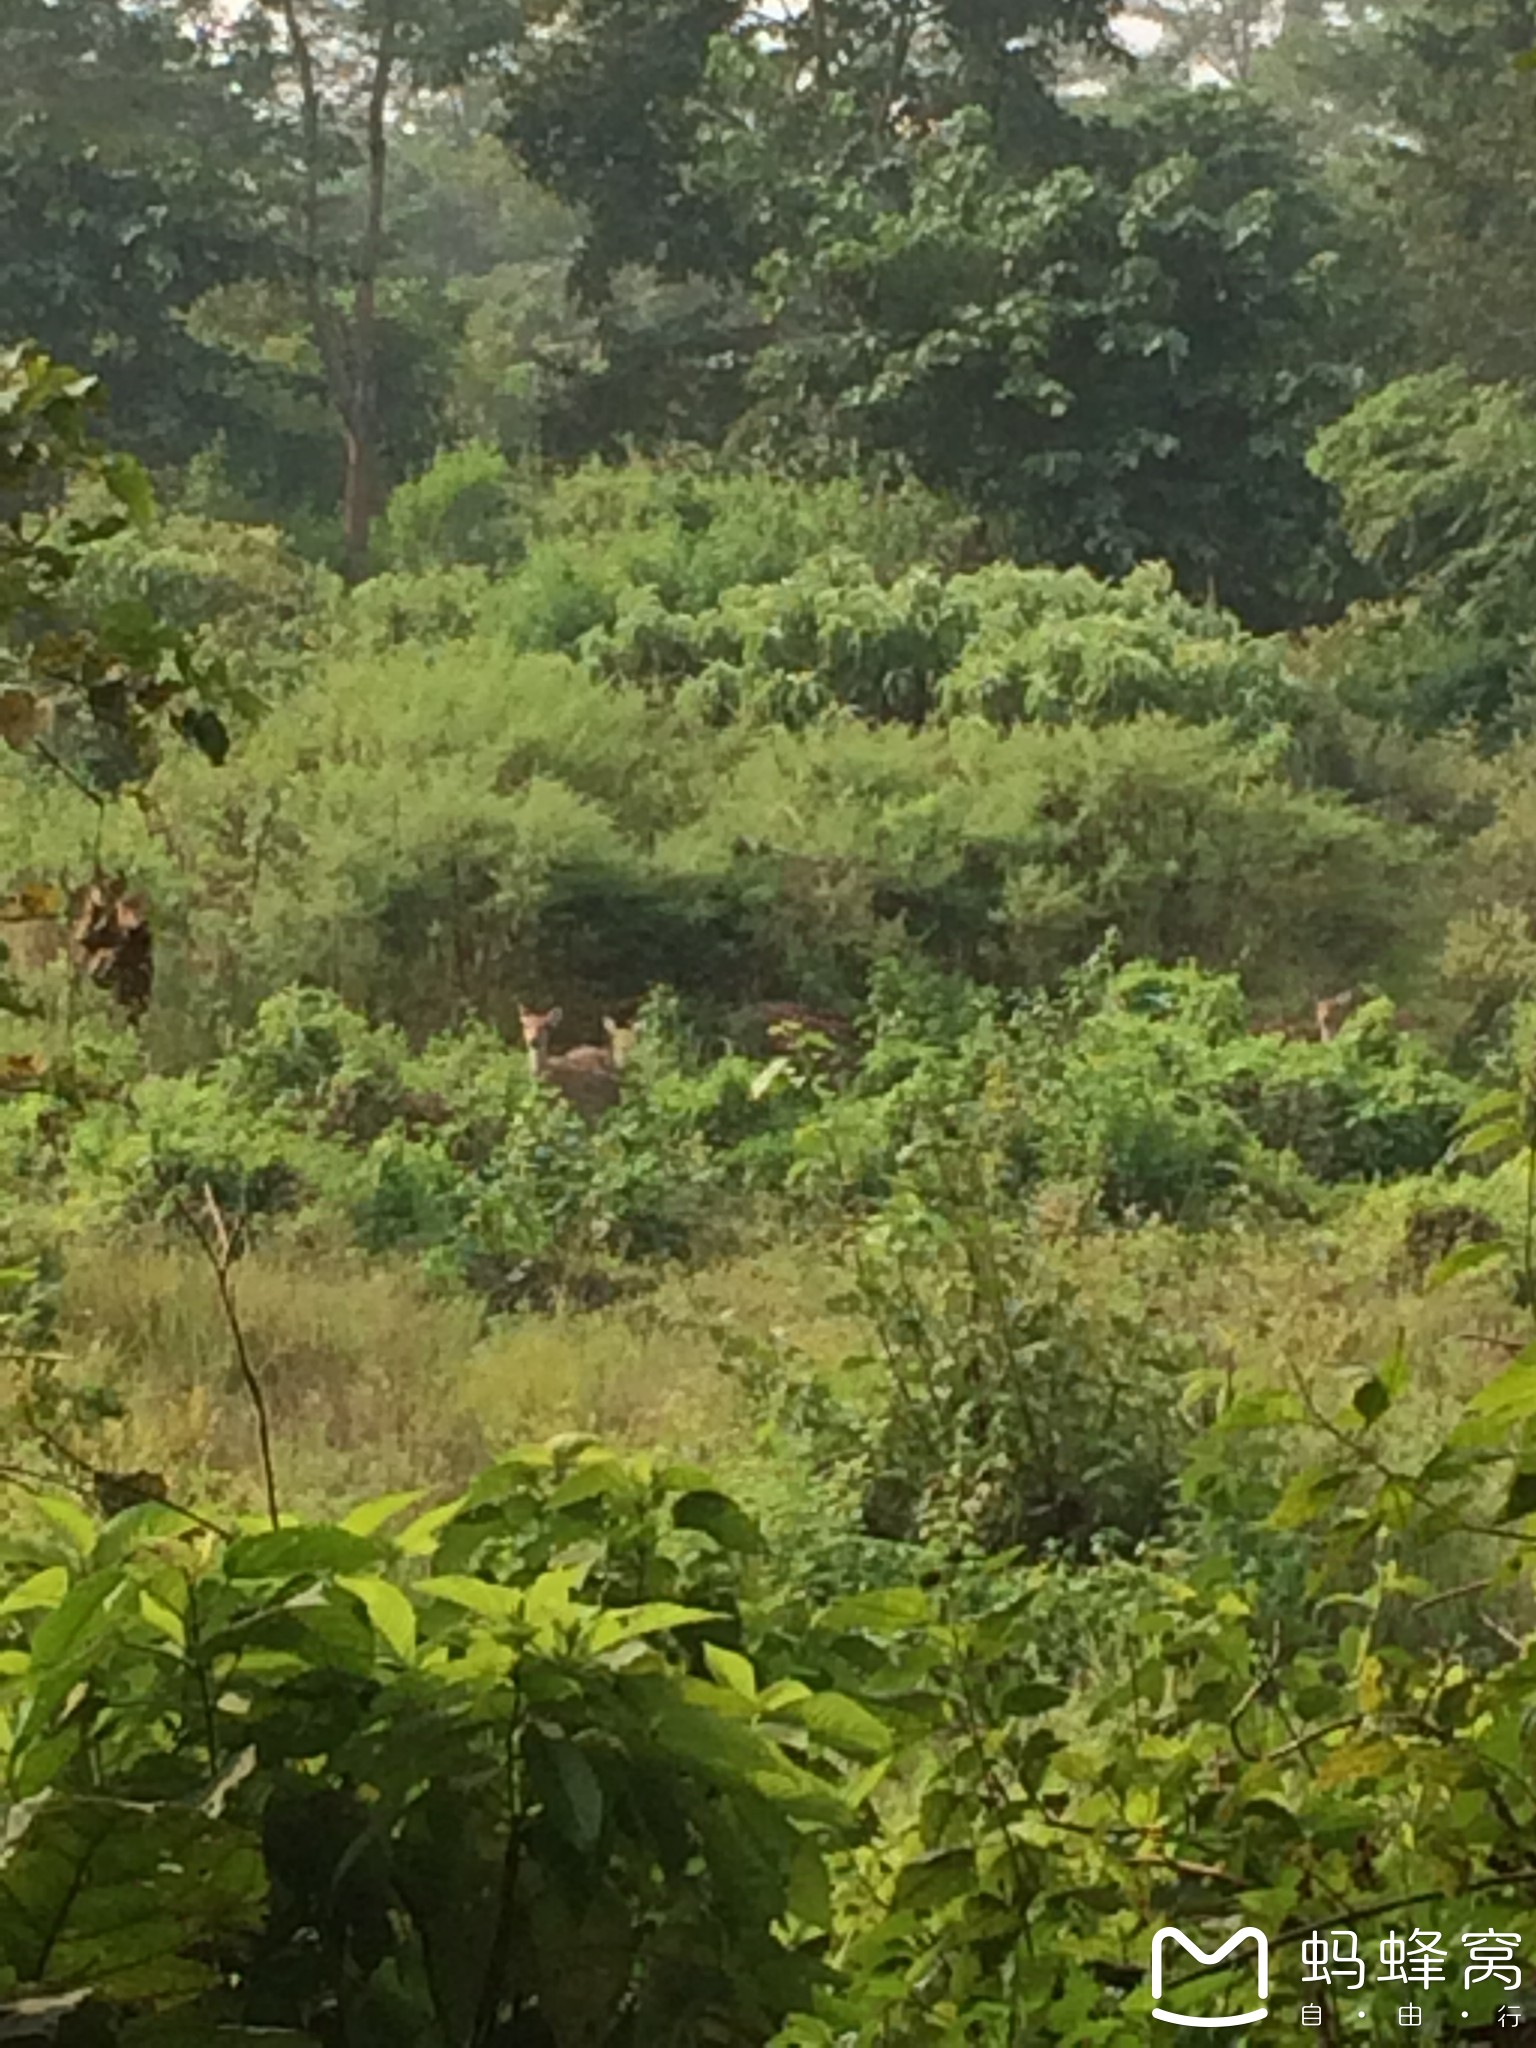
(362, 423)
(357, 504)
(348, 346)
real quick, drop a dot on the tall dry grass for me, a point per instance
(374, 1381)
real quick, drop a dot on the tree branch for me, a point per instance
(219, 1249)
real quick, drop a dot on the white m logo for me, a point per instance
(1239, 2019)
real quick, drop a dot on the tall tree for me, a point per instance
(344, 75)
(134, 176)
(628, 110)
(1126, 357)
(1430, 123)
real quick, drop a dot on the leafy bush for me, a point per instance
(1013, 1415)
(1371, 1104)
(1398, 666)
(463, 509)
(1003, 643)
(404, 609)
(239, 589)
(481, 1791)
(1434, 477)
(691, 536)
(1007, 856)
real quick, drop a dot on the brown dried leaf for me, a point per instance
(22, 717)
(33, 900)
(21, 1069)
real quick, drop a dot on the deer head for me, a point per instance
(587, 1075)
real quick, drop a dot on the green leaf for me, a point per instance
(547, 1600)
(369, 1516)
(732, 1751)
(1304, 1497)
(589, 1480)
(1465, 1259)
(1371, 1400)
(842, 1724)
(1522, 1497)
(683, 1479)
(935, 1879)
(863, 1786)
(285, 1553)
(205, 730)
(810, 1890)
(782, 1693)
(43, 1589)
(889, 1611)
(419, 1538)
(75, 1524)
(1504, 1131)
(124, 1898)
(570, 1787)
(165, 1619)
(1497, 1102)
(718, 1516)
(388, 1609)
(128, 481)
(1511, 1395)
(480, 1596)
(622, 1624)
(77, 1623)
(1393, 1372)
(732, 1670)
(1034, 1696)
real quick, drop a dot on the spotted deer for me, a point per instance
(1333, 1012)
(587, 1076)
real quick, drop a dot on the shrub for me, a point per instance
(461, 510)
(1004, 643)
(240, 590)
(691, 536)
(1371, 1104)
(1008, 1413)
(421, 608)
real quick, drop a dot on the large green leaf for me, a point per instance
(568, 1787)
(389, 1610)
(718, 1516)
(621, 1624)
(842, 1724)
(79, 1622)
(284, 1553)
(120, 1898)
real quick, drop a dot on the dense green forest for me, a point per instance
(767, 1021)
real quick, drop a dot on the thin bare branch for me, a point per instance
(220, 1247)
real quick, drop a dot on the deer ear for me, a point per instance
(554, 1016)
(609, 1025)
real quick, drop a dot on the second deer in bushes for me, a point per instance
(1333, 1012)
(784, 1026)
(587, 1076)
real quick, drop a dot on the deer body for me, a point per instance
(1334, 1011)
(587, 1075)
(783, 1024)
